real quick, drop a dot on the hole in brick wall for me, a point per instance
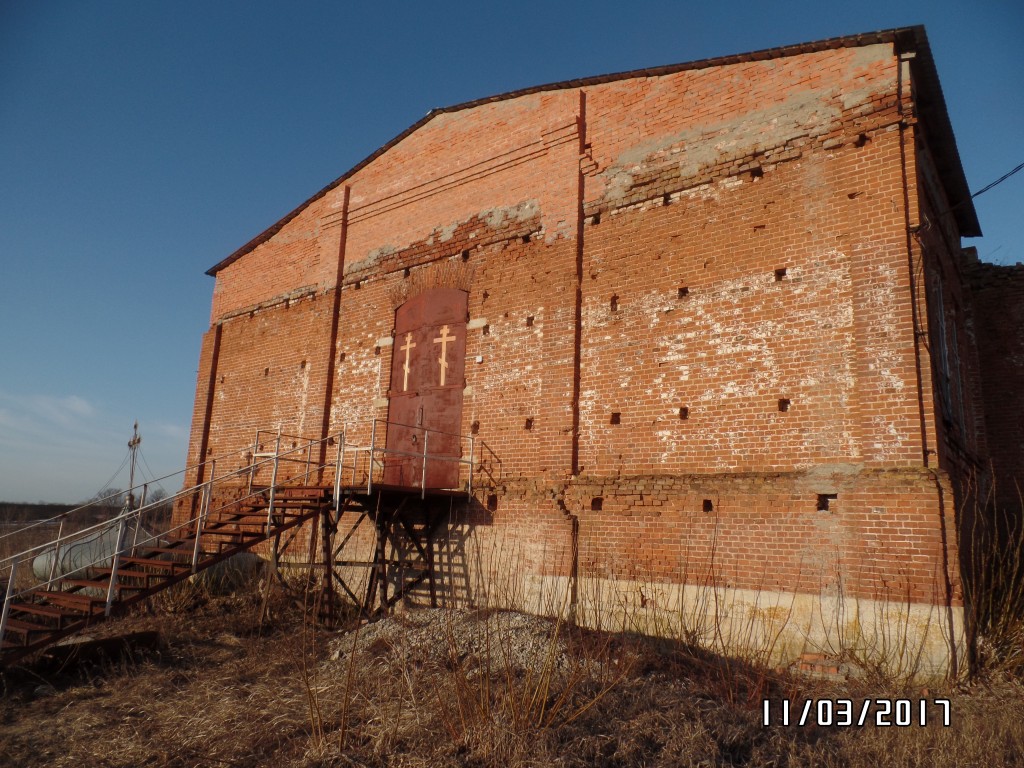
(614, 304)
(465, 255)
(406, 272)
(683, 292)
(222, 378)
(597, 218)
(707, 506)
(209, 451)
(526, 238)
(486, 330)
(861, 140)
(596, 504)
(486, 295)
(756, 172)
(616, 418)
(684, 413)
(666, 199)
(492, 502)
(529, 321)
(341, 358)
(474, 428)
(780, 274)
(784, 403)
(825, 499)
(854, 195)
(302, 364)
(528, 424)
(266, 371)
(359, 284)
(376, 350)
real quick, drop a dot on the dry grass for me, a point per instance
(242, 681)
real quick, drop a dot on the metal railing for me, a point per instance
(369, 463)
(76, 554)
(103, 544)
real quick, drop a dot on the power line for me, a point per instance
(998, 181)
(106, 485)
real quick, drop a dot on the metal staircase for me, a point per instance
(91, 571)
(39, 616)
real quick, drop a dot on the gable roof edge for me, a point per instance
(903, 38)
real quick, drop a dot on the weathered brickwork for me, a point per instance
(702, 339)
(997, 308)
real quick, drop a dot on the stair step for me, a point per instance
(38, 609)
(102, 584)
(127, 573)
(25, 628)
(241, 534)
(259, 513)
(152, 562)
(303, 491)
(184, 549)
(74, 601)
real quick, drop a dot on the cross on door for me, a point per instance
(443, 340)
(407, 348)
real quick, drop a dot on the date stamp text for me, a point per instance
(899, 713)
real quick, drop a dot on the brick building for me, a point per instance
(704, 323)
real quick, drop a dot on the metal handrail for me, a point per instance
(424, 454)
(100, 502)
(121, 521)
(206, 490)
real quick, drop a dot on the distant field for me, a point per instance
(19, 513)
(11, 511)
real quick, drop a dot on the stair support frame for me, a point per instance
(7, 601)
(122, 531)
(204, 508)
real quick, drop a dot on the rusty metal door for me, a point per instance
(425, 396)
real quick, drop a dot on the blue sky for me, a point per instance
(141, 143)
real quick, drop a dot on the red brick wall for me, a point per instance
(886, 534)
(997, 303)
(545, 207)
